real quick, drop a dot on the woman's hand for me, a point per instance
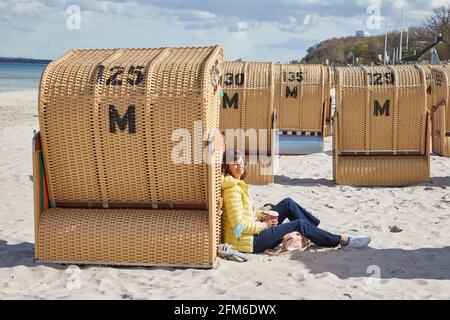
(273, 220)
(268, 221)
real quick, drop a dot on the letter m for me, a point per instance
(129, 119)
(233, 102)
(291, 93)
(379, 110)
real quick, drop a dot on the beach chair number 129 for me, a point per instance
(379, 79)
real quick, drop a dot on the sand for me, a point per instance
(411, 264)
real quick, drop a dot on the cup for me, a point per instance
(272, 214)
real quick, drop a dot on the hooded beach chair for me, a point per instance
(122, 176)
(248, 116)
(303, 105)
(441, 111)
(381, 128)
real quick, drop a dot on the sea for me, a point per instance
(19, 76)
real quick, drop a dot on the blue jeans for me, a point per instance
(300, 220)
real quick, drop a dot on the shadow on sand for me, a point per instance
(308, 182)
(440, 181)
(424, 263)
(13, 255)
(22, 254)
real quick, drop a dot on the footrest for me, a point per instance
(382, 170)
(125, 237)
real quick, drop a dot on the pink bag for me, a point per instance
(293, 241)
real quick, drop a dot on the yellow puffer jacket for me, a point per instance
(239, 222)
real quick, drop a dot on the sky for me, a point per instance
(253, 30)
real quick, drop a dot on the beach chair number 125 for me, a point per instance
(134, 78)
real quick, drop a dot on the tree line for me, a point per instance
(345, 50)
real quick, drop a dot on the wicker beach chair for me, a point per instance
(441, 111)
(111, 186)
(303, 103)
(247, 105)
(381, 128)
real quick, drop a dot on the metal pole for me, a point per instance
(407, 32)
(401, 40)
(407, 39)
(385, 41)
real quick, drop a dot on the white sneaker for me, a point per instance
(358, 242)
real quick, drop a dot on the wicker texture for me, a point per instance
(441, 112)
(214, 202)
(304, 110)
(85, 161)
(260, 174)
(91, 160)
(260, 171)
(379, 142)
(128, 237)
(252, 83)
(382, 170)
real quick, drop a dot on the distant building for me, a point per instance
(366, 61)
(362, 34)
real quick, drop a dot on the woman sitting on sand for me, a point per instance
(254, 232)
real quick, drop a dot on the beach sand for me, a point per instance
(411, 264)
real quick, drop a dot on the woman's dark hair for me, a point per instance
(229, 157)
